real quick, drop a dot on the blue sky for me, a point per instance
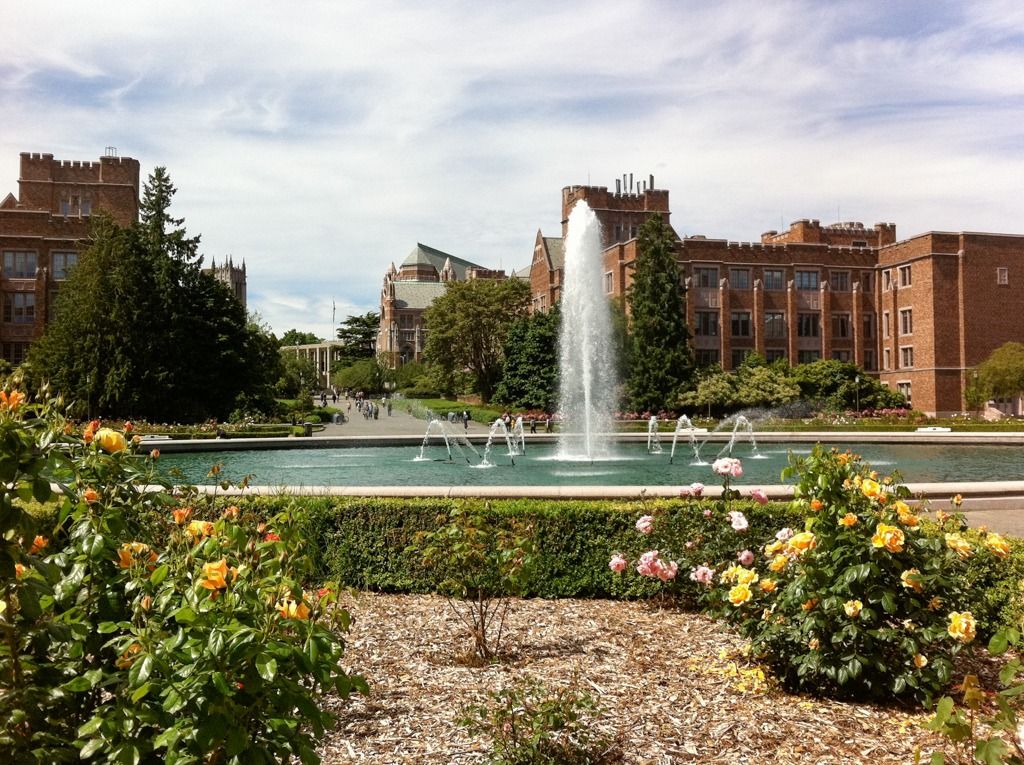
(320, 141)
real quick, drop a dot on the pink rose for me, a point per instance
(667, 572)
(684, 493)
(648, 564)
(728, 466)
(784, 534)
(689, 545)
(707, 512)
(738, 520)
(697, 488)
(759, 496)
(746, 557)
(618, 563)
(645, 525)
(703, 574)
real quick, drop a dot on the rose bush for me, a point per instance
(127, 638)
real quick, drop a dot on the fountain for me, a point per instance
(451, 437)
(739, 422)
(499, 428)
(587, 372)
(685, 424)
(653, 437)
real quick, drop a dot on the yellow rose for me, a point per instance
(961, 626)
(214, 575)
(129, 552)
(935, 604)
(920, 660)
(199, 529)
(889, 537)
(813, 644)
(779, 562)
(809, 604)
(125, 660)
(997, 544)
(110, 441)
(746, 576)
(774, 547)
(853, 608)
(729, 575)
(767, 585)
(870, 488)
(959, 545)
(910, 579)
(848, 520)
(800, 543)
(289, 609)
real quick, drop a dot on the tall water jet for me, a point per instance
(587, 365)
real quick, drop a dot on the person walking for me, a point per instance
(465, 419)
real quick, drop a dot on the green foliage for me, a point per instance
(833, 385)
(481, 564)
(530, 378)
(859, 603)
(529, 724)
(138, 629)
(661, 362)
(298, 375)
(358, 335)
(140, 331)
(295, 337)
(1002, 373)
(992, 738)
(367, 375)
(467, 328)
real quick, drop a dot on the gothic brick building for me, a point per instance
(43, 231)
(919, 313)
(408, 291)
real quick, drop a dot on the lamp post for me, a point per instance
(856, 380)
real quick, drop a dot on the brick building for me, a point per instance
(44, 229)
(408, 291)
(918, 313)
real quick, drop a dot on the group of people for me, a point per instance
(453, 416)
(371, 409)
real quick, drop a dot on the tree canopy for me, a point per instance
(140, 331)
(295, 337)
(1002, 373)
(467, 327)
(358, 333)
(530, 377)
(661, 362)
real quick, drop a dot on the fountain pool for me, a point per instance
(539, 465)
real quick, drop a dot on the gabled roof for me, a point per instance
(9, 202)
(417, 295)
(424, 255)
(555, 247)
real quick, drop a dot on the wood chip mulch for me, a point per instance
(675, 688)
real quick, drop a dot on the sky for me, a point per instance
(320, 141)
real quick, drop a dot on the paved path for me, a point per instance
(400, 423)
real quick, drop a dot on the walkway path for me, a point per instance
(399, 423)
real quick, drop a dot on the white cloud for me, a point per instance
(320, 141)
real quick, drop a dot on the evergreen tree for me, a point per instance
(530, 376)
(661, 362)
(140, 331)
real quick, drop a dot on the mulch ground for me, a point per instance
(675, 688)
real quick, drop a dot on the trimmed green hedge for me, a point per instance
(362, 543)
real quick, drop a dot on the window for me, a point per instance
(806, 280)
(19, 307)
(632, 232)
(867, 281)
(608, 283)
(904, 276)
(1002, 275)
(86, 207)
(741, 323)
(841, 356)
(739, 278)
(885, 323)
(839, 280)
(840, 325)
(773, 279)
(859, 243)
(906, 357)
(772, 355)
(704, 276)
(906, 321)
(869, 326)
(19, 264)
(807, 357)
(738, 355)
(869, 360)
(707, 357)
(618, 233)
(807, 325)
(886, 280)
(774, 324)
(887, 356)
(706, 324)
(65, 207)
(15, 352)
(904, 388)
(60, 262)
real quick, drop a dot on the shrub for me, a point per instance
(528, 724)
(482, 564)
(859, 603)
(138, 628)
